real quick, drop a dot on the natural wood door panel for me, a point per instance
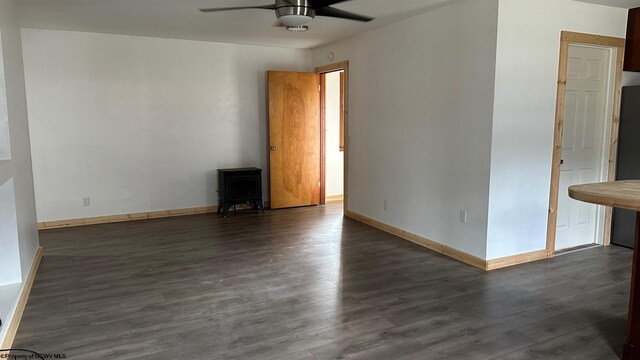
(294, 139)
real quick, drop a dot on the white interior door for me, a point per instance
(583, 144)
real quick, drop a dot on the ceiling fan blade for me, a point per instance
(317, 4)
(337, 13)
(266, 7)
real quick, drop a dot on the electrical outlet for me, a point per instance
(463, 216)
(384, 205)
(86, 201)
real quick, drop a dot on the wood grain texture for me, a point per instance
(578, 38)
(22, 302)
(125, 217)
(469, 259)
(615, 135)
(632, 342)
(294, 133)
(342, 111)
(619, 194)
(307, 283)
(342, 65)
(323, 139)
(45, 225)
(420, 240)
(624, 195)
(557, 148)
(515, 260)
(592, 39)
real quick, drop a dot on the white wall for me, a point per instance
(427, 134)
(141, 124)
(524, 113)
(20, 231)
(421, 95)
(5, 148)
(9, 244)
(334, 157)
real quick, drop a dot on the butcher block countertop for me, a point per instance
(619, 194)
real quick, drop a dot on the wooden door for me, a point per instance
(586, 97)
(294, 139)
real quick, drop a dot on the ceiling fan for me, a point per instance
(295, 14)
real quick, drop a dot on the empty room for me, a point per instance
(320, 179)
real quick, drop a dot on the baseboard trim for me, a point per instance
(125, 217)
(420, 240)
(57, 224)
(12, 329)
(461, 256)
(334, 198)
(517, 259)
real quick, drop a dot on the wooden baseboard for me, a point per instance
(422, 241)
(45, 225)
(448, 251)
(125, 217)
(516, 259)
(334, 198)
(22, 302)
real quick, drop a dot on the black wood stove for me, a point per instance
(239, 186)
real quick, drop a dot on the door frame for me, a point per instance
(566, 39)
(322, 70)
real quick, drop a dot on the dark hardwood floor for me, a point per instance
(309, 284)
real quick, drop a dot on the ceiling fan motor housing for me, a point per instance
(294, 12)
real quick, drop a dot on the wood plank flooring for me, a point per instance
(308, 284)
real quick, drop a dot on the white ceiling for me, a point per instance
(181, 19)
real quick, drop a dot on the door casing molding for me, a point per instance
(566, 39)
(344, 66)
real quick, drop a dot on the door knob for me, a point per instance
(273, 148)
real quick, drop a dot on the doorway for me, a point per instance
(332, 120)
(587, 112)
(300, 133)
(334, 86)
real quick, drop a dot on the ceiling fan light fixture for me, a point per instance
(296, 14)
(300, 28)
(295, 20)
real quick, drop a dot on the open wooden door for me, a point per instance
(294, 139)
